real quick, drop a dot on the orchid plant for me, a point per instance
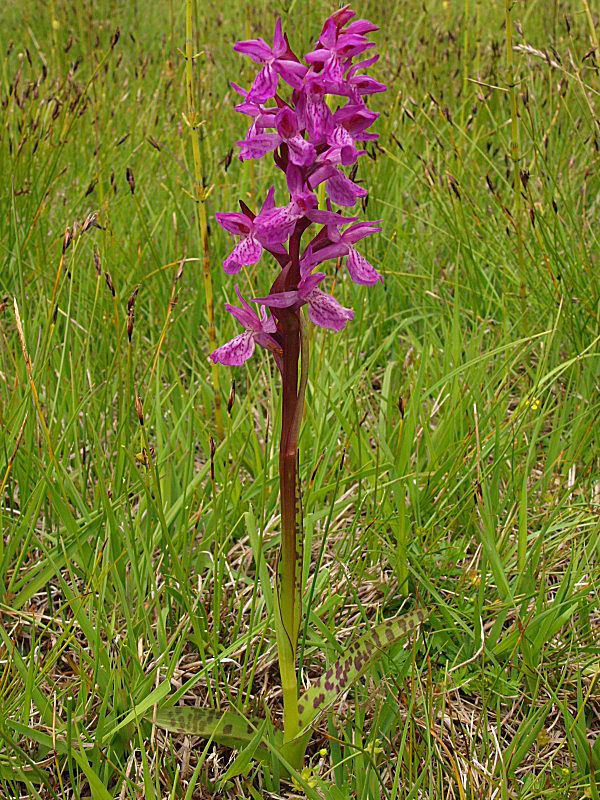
(314, 131)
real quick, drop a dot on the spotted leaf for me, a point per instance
(354, 663)
(229, 728)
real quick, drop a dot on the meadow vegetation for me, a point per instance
(452, 428)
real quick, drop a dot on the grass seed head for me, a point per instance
(130, 179)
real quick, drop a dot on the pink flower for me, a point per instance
(257, 142)
(278, 60)
(341, 244)
(323, 308)
(249, 249)
(258, 329)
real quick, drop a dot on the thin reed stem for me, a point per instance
(200, 198)
(515, 152)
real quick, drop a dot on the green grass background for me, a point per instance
(463, 399)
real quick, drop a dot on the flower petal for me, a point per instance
(246, 315)
(328, 217)
(361, 271)
(365, 84)
(236, 351)
(309, 283)
(279, 42)
(318, 118)
(356, 232)
(329, 251)
(292, 72)
(269, 200)
(265, 85)
(234, 222)
(342, 190)
(324, 310)
(286, 122)
(257, 49)
(257, 145)
(278, 299)
(247, 251)
(301, 152)
(276, 225)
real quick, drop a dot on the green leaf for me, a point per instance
(225, 727)
(354, 663)
(11, 771)
(240, 764)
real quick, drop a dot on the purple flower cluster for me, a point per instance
(311, 141)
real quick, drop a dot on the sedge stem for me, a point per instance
(200, 198)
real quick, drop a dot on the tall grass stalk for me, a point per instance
(200, 194)
(516, 156)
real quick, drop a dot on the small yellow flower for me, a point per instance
(474, 577)
(533, 403)
(323, 751)
(306, 775)
(374, 748)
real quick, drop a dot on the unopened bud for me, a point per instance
(213, 450)
(401, 406)
(97, 261)
(109, 283)
(131, 311)
(68, 238)
(231, 400)
(179, 272)
(133, 298)
(139, 407)
(90, 221)
(130, 179)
